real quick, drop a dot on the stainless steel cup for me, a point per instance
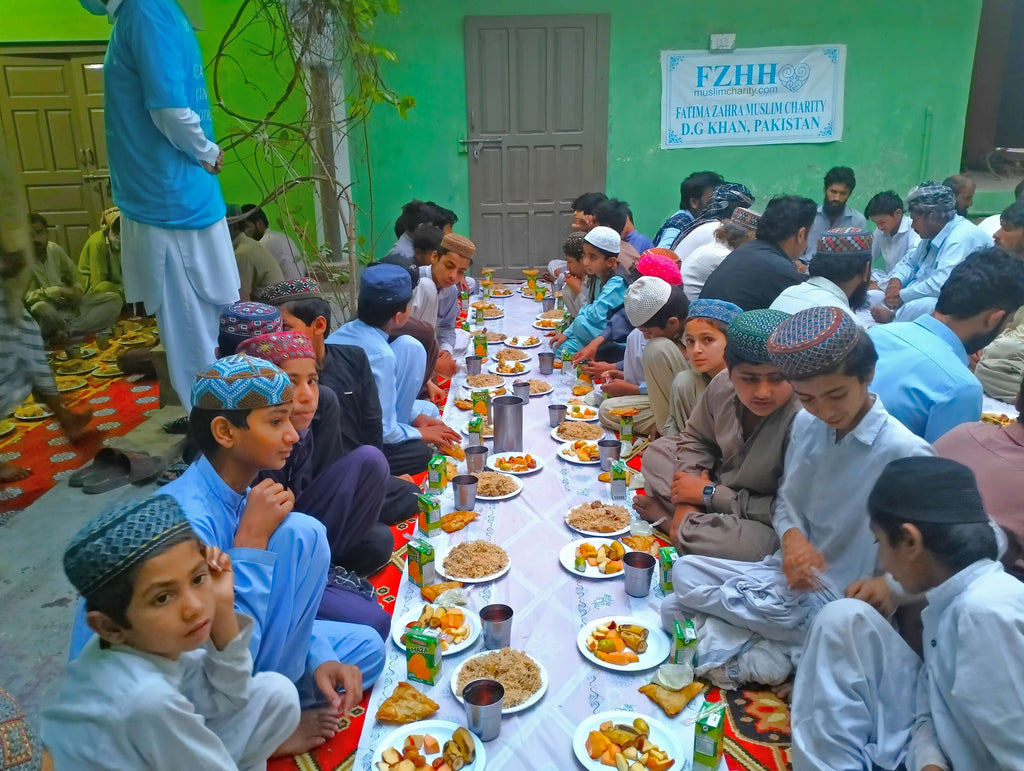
(476, 458)
(638, 570)
(522, 390)
(484, 700)
(548, 303)
(473, 364)
(464, 487)
(496, 625)
(610, 450)
(546, 362)
(508, 423)
(103, 340)
(556, 413)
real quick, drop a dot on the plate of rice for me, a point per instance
(512, 354)
(496, 486)
(473, 562)
(553, 314)
(600, 519)
(524, 678)
(540, 387)
(570, 431)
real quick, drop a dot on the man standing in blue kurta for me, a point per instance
(163, 163)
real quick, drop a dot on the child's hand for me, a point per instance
(222, 577)
(875, 592)
(557, 340)
(800, 560)
(589, 351)
(266, 507)
(573, 282)
(331, 675)
(689, 488)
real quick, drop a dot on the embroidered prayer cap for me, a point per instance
(121, 538)
(932, 198)
(928, 489)
(240, 382)
(293, 289)
(461, 245)
(248, 319)
(605, 239)
(852, 241)
(645, 297)
(385, 284)
(745, 218)
(20, 750)
(109, 217)
(278, 347)
(747, 336)
(811, 341)
(719, 310)
(659, 266)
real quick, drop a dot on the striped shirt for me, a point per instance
(23, 364)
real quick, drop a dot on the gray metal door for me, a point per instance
(537, 102)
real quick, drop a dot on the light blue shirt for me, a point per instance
(922, 376)
(153, 62)
(447, 312)
(592, 318)
(850, 218)
(923, 271)
(383, 363)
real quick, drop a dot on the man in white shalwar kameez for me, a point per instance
(163, 163)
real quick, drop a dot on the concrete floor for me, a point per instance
(37, 604)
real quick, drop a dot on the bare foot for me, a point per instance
(10, 473)
(316, 726)
(783, 690)
(649, 508)
(881, 314)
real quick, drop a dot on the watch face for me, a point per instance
(709, 490)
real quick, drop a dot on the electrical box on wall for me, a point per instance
(725, 41)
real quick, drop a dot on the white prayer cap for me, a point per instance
(605, 239)
(646, 296)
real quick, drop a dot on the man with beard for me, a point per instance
(963, 188)
(833, 212)
(922, 374)
(840, 274)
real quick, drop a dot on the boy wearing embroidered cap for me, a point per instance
(731, 234)
(753, 617)
(242, 320)
(840, 274)
(713, 488)
(447, 270)
(893, 708)
(168, 676)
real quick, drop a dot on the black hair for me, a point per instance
(838, 267)
(955, 547)
(841, 175)
(113, 597)
(676, 306)
(227, 343)
(784, 216)
(696, 184)
(572, 246)
(586, 202)
(1013, 215)
(427, 237)
(199, 427)
(377, 315)
(732, 234)
(256, 214)
(956, 182)
(309, 309)
(987, 279)
(732, 359)
(612, 213)
(859, 362)
(886, 202)
(394, 258)
(440, 217)
(721, 326)
(413, 213)
(38, 219)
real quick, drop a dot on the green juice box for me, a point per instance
(437, 474)
(430, 514)
(423, 655)
(626, 428)
(421, 562)
(684, 642)
(667, 556)
(709, 736)
(620, 489)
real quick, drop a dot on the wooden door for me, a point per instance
(51, 113)
(537, 103)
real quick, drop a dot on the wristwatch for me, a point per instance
(709, 493)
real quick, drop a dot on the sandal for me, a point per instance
(171, 473)
(176, 426)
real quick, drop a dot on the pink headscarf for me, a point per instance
(659, 266)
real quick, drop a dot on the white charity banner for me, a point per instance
(752, 96)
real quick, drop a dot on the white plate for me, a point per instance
(44, 416)
(468, 389)
(539, 316)
(487, 319)
(658, 646)
(493, 369)
(536, 325)
(7, 427)
(442, 730)
(612, 534)
(507, 710)
(491, 464)
(398, 629)
(664, 735)
(557, 438)
(543, 393)
(502, 294)
(572, 457)
(521, 337)
(567, 556)
(441, 554)
(519, 489)
(569, 415)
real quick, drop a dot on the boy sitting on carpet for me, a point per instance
(753, 617)
(714, 486)
(168, 680)
(855, 705)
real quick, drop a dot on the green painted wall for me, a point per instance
(902, 58)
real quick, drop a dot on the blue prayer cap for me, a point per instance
(248, 319)
(385, 284)
(121, 538)
(719, 310)
(240, 382)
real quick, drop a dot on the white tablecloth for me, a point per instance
(550, 605)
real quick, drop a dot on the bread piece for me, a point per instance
(457, 520)
(454, 450)
(432, 592)
(464, 404)
(672, 702)
(406, 705)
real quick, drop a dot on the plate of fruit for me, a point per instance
(623, 644)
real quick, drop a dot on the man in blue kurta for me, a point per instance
(163, 162)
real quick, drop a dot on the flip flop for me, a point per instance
(171, 473)
(108, 476)
(104, 458)
(176, 426)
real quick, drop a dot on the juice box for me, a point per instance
(421, 562)
(423, 655)
(437, 474)
(487, 274)
(540, 293)
(485, 288)
(479, 315)
(531, 283)
(708, 737)
(475, 428)
(463, 300)
(430, 514)
(626, 428)
(620, 489)
(564, 322)
(480, 344)
(465, 325)
(667, 556)
(481, 402)
(684, 642)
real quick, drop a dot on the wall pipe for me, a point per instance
(926, 144)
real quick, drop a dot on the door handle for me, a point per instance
(94, 177)
(477, 142)
(91, 155)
